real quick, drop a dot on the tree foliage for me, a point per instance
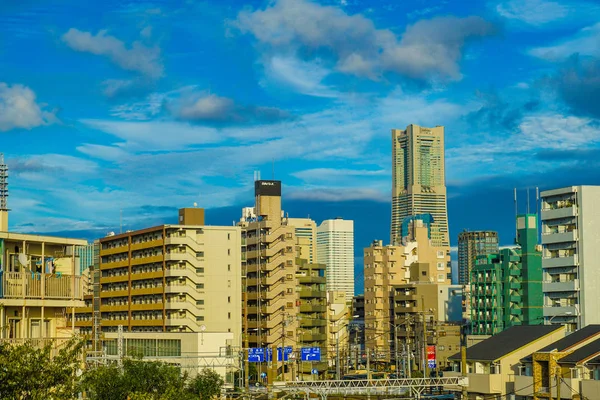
(207, 384)
(28, 372)
(148, 380)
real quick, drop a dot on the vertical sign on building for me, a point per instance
(431, 357)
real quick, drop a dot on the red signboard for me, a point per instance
(431, 356)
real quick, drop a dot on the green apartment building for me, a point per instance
(506, 287)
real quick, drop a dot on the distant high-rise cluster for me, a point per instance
(472, 244)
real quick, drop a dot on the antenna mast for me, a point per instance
(3, 184)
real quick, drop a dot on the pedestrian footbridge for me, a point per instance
(414, 387)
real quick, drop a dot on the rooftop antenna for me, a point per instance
(3, 184)
(527, 200)
(516, 213)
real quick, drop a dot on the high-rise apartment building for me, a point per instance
(418, 180)
(416, 260)
(89, 255)
(571, 255)
(285, 295)
(335, 249)
(306, 237)
(171, 278)
(472, 244)
(506, 287)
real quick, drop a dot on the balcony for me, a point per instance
(402, 310)
(307, 308)
(485, 383)
(20, 285)
(305, 322)
(561, 237)
(569, 286)
(312, 293)
(557, 262)
(558, 213)
(311, 279)
(589, 387)
(523, 385)
(312, 337)
(570, 311)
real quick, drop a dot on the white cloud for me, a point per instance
(152, 136)
(585, 42)
(301, 76)
(339, 194)
(204, 107)
(19, 109)
(533, 12)
(493, 155)
(335, 174)
(137, 57)
(110, 153)
(429, 48)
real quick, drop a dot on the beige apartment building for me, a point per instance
(415, 261)
(270, 305)
(170, 278)
(338, 334)
(418, 180)
(40, 286)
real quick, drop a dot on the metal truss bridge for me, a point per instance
(408, 386)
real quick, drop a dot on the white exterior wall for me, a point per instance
(335, 249)
(571, 255)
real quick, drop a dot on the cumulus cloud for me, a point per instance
(19, 109)
(428, 48)
(197, 106)
(137, 57)
(532, 12)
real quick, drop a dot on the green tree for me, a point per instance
(28, 372)
(137, 379)
(207, 384)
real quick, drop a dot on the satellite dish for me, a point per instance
(195, 204)
(23, 259)
(202, 328)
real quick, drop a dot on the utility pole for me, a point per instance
(463, 359)
(337, 356)
(408, 366)
(283, 346)
(425, 361)
(558, 382)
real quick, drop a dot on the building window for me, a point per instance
(229, 236)
(228, 315)
(424, 273)
(200, 254)
(200, 318)
(229, 283)
(200, 286)
(441, 277)
(440, 266)
(200, 270)
(228, 267)
(440, 254)
(229, 299)
(199, 302)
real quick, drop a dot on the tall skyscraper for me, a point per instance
(571, 255)
(335, 249)
(418, 180)
(472, 244)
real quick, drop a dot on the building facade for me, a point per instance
(170, 278)
(418, 180)
(89, 255)
(571, 257)
(40, 286)
(417, 260)
(506, 287)
(335, 249)
(472, 244)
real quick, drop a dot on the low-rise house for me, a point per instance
(493, 363)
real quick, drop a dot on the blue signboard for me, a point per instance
(314, 372)
(310, 354)
(256, 355)
(288, 351)
(430, 363)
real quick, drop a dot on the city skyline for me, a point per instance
(86, 103)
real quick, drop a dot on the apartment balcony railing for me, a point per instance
(17, 285)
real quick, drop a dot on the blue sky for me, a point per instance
(145, 107)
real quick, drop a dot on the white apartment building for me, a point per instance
(571, 255)
(335, 249)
